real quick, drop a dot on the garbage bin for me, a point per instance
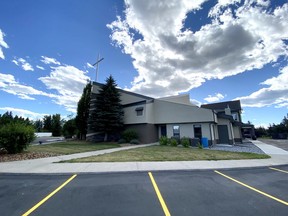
(204, 141)
(194, 141)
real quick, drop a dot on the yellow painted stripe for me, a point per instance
(278, 170)
(49, 196)
(252, 188)
(162, 202)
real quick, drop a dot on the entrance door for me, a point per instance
(223, 134)
(163, 130)
(198, 132)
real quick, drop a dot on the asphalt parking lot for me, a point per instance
(280, 143)
(253, 191)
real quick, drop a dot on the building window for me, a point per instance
(139, 111)
(235, 116)
(176, 131)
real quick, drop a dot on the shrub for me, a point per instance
(177, 138)
(163, 140)
(15, 137)
(185, 142)
(129, 135)
(134, 141)
(173, 142)
(199, 145)
(121, 141)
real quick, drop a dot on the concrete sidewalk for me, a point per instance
(48, 165)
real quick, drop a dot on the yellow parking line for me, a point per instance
(252, 188)
(47, 197)
(162, 202)
(278, 170)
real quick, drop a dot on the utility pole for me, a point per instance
(97, 65)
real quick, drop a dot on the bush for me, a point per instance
(121, 141)
(15, 137)
(163, 140)
(177, 138)
(199, 145)
(185, 142)
(134, 141)
(129, 135)
(173, 142)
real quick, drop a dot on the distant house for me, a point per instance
(176, 116)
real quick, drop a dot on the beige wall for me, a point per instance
(237, 132)
(222, 121)
(187, 130)
(182, 99)
(168, 112)
(130, 115)
(126, 98)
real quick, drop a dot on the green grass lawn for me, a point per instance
(168, 153)
(71, 147)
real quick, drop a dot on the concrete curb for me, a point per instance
(48, 165)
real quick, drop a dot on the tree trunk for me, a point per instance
(106, 137)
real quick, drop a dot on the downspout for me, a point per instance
(210, 134)
(214, 131)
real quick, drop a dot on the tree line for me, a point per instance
(275, 131)
(104, 114)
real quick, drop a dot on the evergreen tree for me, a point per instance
(38, 125)
(6, 118)
(107, 114)
(56, 125)
(69, 128)
(83, 111)
(47, 121)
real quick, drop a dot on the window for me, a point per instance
(139, 111)
(235, 116)
(176, 131)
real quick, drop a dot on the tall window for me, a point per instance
(176, 131)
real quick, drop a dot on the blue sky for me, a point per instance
(214, 50)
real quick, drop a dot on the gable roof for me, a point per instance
(233, 105)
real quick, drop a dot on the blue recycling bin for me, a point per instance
(204, 142)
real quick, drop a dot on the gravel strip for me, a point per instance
(244, 147)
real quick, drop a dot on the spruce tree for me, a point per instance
(107, 114)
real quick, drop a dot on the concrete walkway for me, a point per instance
(48, 165)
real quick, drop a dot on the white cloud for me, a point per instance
(40, 67)
(195, 102)
(240, 37)
(2, 44)
(23, 63)
(24, 113)
(10, 85)
(47, 60)
(276, 94)
(69, 82)
(89, 65)
(212, 99)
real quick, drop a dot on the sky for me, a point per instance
(215, 51)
